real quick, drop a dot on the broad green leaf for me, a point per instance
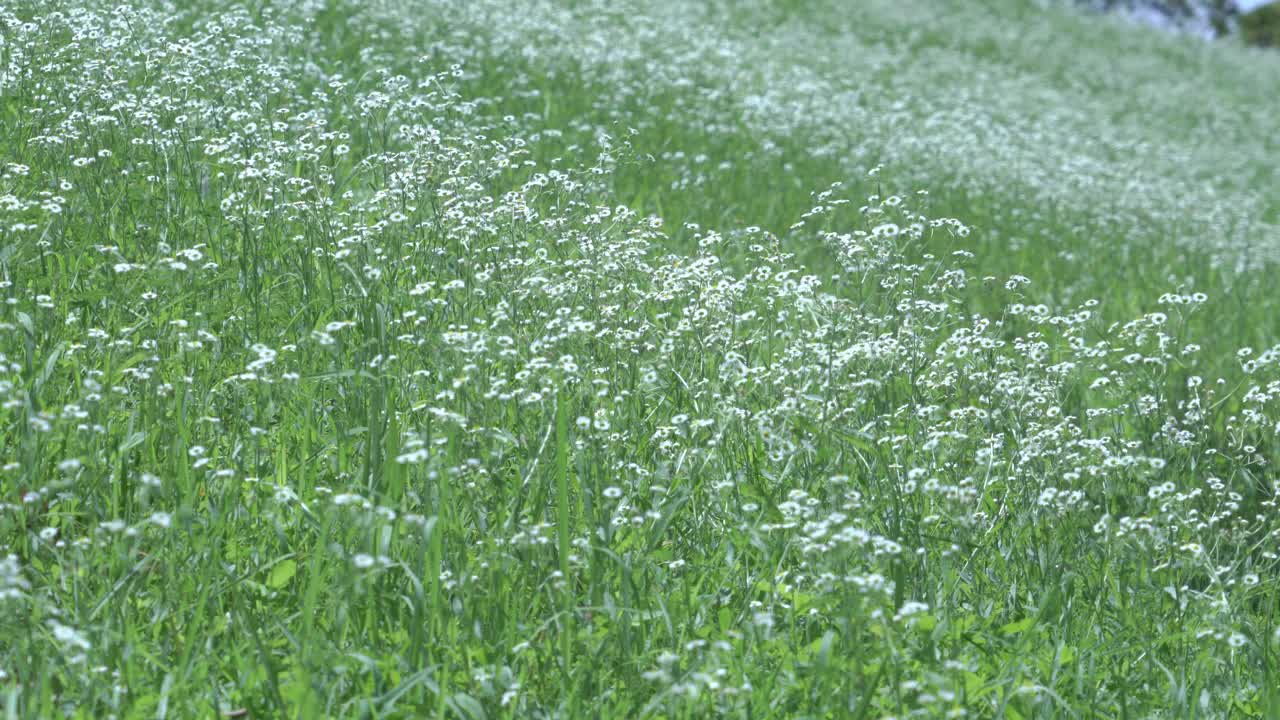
(282, 574)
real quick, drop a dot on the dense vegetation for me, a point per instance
(1262, 26)
(634, 359)
(1215, 16)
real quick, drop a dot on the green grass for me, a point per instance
(759, 359)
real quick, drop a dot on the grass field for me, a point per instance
(641, 358)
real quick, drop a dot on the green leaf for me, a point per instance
(282, 574)
(134, 440)
(668, 514)
(925, 622)
(467, 707)
(824, 648)
(25, 321)
(1019, 626)
(49, 364)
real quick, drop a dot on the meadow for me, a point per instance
(635, 359)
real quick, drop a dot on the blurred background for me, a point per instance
(1256, 22)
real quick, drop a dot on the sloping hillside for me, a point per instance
(635, 359)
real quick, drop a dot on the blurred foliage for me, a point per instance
(1219, 16)
(1262, 26)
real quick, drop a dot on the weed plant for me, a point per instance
(642, 359)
